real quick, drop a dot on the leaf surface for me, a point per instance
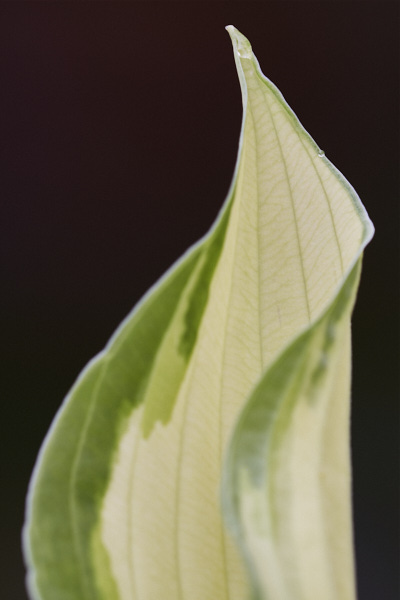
(251, 327)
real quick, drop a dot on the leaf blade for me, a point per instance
(287, 476)
(251, 488)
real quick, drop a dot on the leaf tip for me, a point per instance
(240, 43)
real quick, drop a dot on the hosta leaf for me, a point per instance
(250, 326)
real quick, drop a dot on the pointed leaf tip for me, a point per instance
(240, 43)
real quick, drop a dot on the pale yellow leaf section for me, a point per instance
(293, 230)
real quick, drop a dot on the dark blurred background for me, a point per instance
(119, 130)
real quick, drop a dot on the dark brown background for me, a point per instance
(120, 124)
